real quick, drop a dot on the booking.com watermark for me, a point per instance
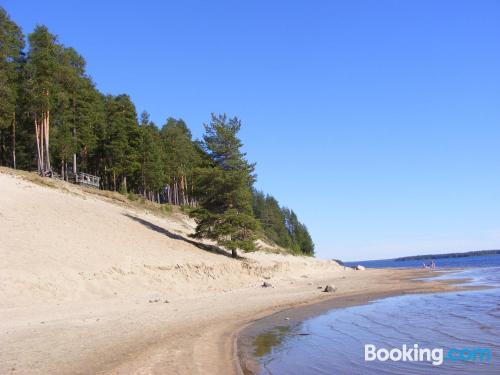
(436, 356)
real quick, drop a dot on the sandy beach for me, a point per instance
(95, 284)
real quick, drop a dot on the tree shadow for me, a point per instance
(210, 248)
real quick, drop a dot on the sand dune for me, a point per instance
(70, 245)
(91, 284)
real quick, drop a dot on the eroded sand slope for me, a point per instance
(79, 274)
(67, 245)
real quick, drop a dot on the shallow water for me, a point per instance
(465, 262)
(333, 343)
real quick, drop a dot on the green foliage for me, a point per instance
(152, 154)
(231, 229)
(133, 197)
(181, 157)
(123, 188)
(186, 209)
(211, 180)
(11, 47)
(123, 138)
(224, 147)
(42, 68)
(224, 189)
(79, 107)
(281, 225)
(301, 238)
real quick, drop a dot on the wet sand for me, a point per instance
(261, 334)
(90, 283)
(201, 334)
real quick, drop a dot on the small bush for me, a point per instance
(186, 209)
(122, 189)
(133, 197)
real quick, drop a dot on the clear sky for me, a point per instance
(378, 122)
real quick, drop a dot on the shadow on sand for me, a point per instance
(210, 248)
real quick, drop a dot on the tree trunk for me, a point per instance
(2, 148)
(234, 253)
(176, 194)
(182, 190)
(47, 134)
(74, 133)
(38, 153)
(42, 145)
(14, 140)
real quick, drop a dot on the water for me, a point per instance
(465, 262)
(333, 343)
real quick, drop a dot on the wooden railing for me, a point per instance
(87, 179)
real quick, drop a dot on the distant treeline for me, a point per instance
(54, 120)
(451, 255)
(281, 224)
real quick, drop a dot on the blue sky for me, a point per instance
(378, 122)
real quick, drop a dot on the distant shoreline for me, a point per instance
(450, 255)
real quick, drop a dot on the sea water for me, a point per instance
(453, 322)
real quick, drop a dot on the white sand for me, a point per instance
(77, 272)
(59, 246)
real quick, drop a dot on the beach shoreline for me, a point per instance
(228, 351)
(91, 283)
(196, 335)
(292, 317)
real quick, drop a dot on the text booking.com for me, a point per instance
(436, 356)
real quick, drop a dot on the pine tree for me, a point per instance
(224, 189)
(152, 158)
(270, 215)
(11, 59)
(281, 225)
(72, 112)
(224, 146)
(52, 116)
(301, 239)
(181, 158)
(41, 68)
(90, 121)
(93, 155)
(123, 140)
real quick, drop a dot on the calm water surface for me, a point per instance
(333, 343)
